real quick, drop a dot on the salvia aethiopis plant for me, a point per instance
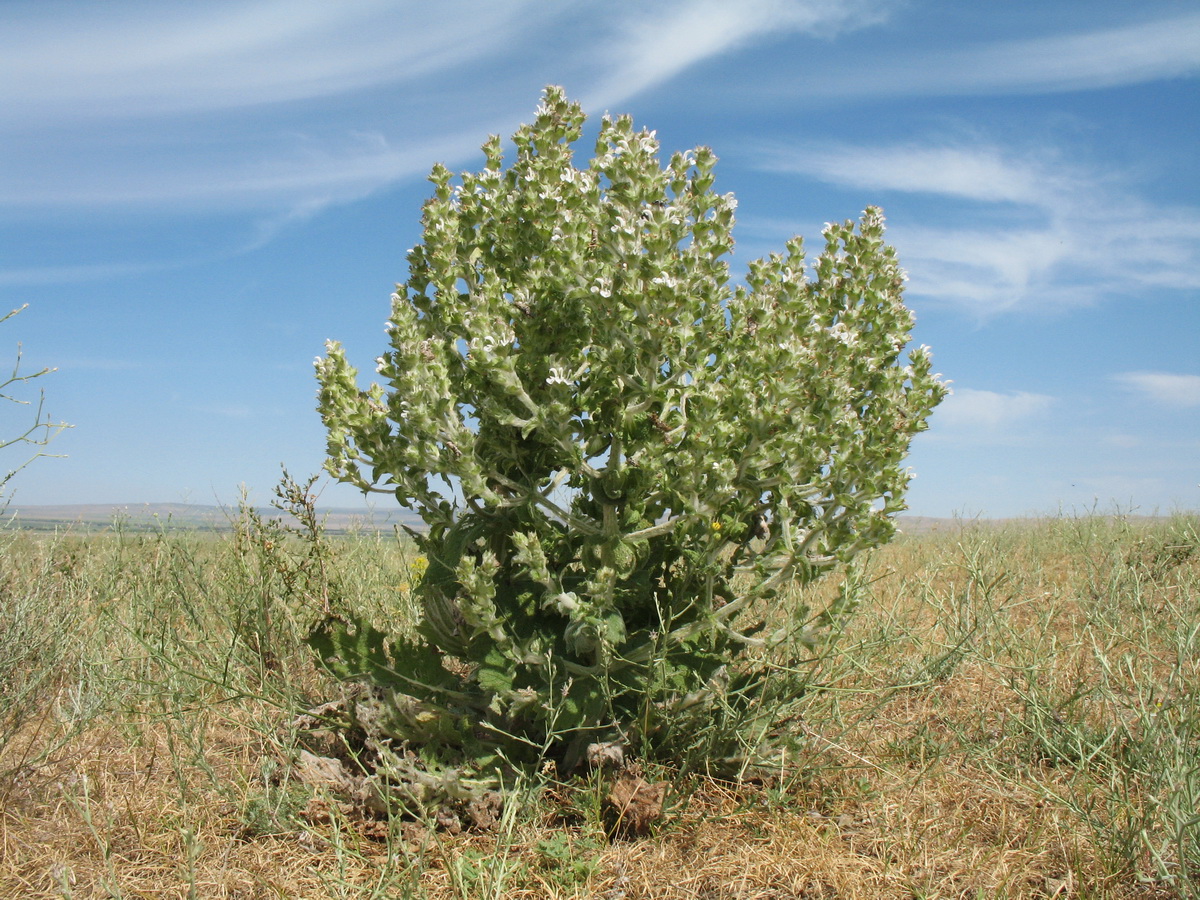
(624, 462)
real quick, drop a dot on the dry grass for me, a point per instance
(1014, 713)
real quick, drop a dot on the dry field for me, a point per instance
(1013, 712)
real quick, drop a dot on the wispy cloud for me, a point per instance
(277, 109)
(970, 410)
(657, 45)
(1166, 47)
(128, 60)
(282, 176)
(1133, 54)
(1084, 233)
(972, 172)
(1123, 441)
(74, 274)
(1165, 388)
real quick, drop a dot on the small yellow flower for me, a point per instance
(716, 526)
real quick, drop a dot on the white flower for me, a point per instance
(566, 603)
(558, 375)
(843, 334)
(482, 346)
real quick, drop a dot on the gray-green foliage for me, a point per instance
(621, 459)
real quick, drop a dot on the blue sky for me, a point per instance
(194, 196)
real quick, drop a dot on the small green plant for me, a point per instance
(41, 430)
(624, 464)
(35, 631)
(568, 860)
(273, 805)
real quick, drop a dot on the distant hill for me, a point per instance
(191, 517)
(149, 517)
(338, 520)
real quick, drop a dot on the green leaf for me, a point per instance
(357, 651)
(495, 674)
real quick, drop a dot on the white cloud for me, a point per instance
(1133, 54)
(126, 106)
(1084, 232)
(1123, 441)
(274, 107)
(1164, 48)
(987, 272)
(651, 48)
(970, 172)
(124, 60)
(130, 59)
(970, 410)
(1165, 388)
(296, 175)
(74, 274)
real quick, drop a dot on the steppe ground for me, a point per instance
(1013, 712)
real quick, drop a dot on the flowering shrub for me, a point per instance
(621, 459)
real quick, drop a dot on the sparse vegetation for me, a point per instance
(1014, 712)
